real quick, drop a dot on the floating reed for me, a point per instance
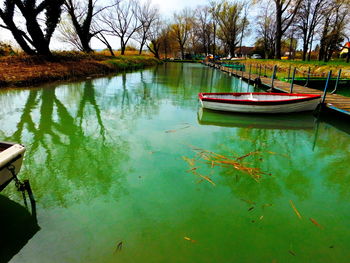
(217, 160)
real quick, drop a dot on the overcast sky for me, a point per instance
(167, 7)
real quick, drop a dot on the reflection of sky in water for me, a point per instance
(105, 162)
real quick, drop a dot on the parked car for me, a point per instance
(256, 56)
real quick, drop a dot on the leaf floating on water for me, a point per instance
(291, 252)
(205, 178)
(190, 161)
(119, 247)
(192, 169)
(189, 239)
(315, 222)
(295, 209)
(261, 218)
(248, 154)
(170, 131)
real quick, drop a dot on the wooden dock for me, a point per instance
(333, 102)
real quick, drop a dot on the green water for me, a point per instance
(104, 158)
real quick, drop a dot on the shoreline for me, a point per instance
(27, 71)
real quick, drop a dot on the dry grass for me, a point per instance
(213, 160)
(23, 70)
(319, 69)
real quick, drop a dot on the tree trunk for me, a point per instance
(20, 40)
(110, 49)
(311, 41)
(291, 46)
(182, 50)
(165, 43)
(122, 49)
(39, 41)
(85, 43)
(278, 31)
(232, 50)
(214, 40)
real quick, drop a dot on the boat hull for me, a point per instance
(254, 106)
(11, 156)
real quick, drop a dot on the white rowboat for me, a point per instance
(11, 156)
(256, 102)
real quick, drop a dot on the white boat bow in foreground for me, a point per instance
(11, 156)
(259, 102)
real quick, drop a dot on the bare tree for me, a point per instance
(67, 34)
(308, 17)
(41, 19)
(100, 36)
(147, 16)
(285, 12)
(333, 29)
(82, 13)
(204, 28)
(214, 10)
(121, 21)
(245, 24)
(266, 31)
(231, 24)
(181, 29)
(155, 35)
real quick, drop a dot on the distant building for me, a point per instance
(345, 49)
(244, 52)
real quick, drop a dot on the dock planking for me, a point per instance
(334, 102)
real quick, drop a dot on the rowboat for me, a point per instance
(256, 102)
(11, 156)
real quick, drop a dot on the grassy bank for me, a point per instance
(22, 70)
(317, 68)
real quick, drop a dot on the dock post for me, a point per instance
(326, 87)
(250, 72)
(265, 71)
(290, 67)
(308, 77)
(259, 71)
(273, 75)
(292, 83)
(337, 82)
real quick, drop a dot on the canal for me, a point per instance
(122, 169)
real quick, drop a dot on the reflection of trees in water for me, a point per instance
(66, 160)
(185, 81)
(296, 168)
(333, 149)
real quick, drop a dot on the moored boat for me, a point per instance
(256, 102)
(11, 156)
